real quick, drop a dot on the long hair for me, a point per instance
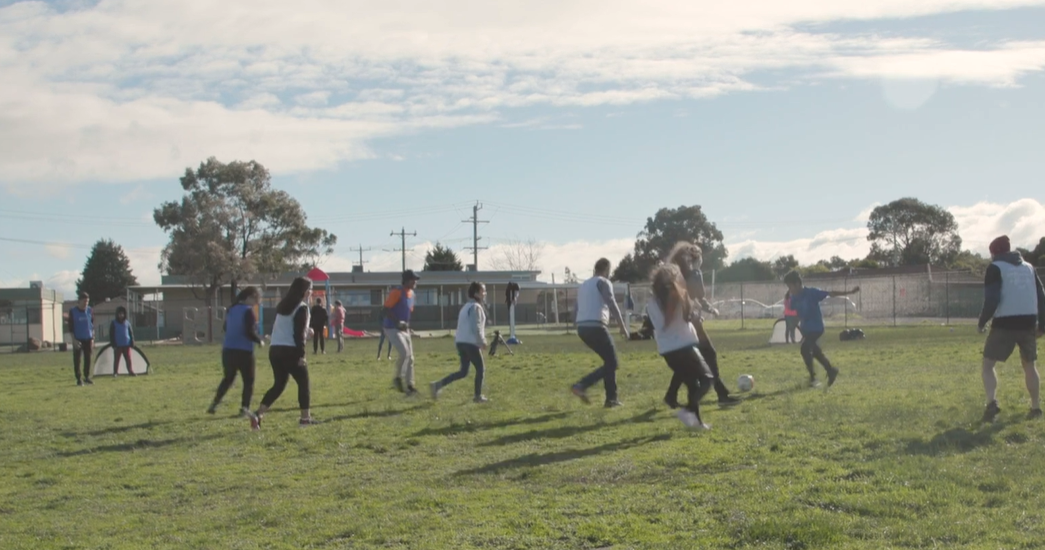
(474, 288)
(685, 253)
(669, 289)
(247, 292)
(294, 296)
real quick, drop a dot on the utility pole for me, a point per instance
(475, 248)
(402, 235)
(361, 250)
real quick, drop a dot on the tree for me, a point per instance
(628, 271)
(571, 277)
(746, 269)
(971, 262)
(667, 227)
(909, 232)
(441, 258)
(784, 265)
(1036, 256)
(518, 256)
(231, 224)
(107, 273)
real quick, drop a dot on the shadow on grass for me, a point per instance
(542, 459)
(797, 388)
(378, 414)
(119, 429)
(461, 428)
(138, 445)
(956, 440)
(567, 431)
(324, 406)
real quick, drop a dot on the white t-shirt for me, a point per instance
(679, 334)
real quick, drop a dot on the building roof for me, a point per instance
(525, 279)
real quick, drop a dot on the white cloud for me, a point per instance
(64, 282)
(58, 250)
(1023, 221)
(132, 90)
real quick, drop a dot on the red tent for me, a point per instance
(317, 275)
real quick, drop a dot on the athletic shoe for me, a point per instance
(398, 384)
(213, 408)
(1034, 414)
(306, 422)
(581, 393)
(114, 375)
(673, 403)
(728, 401)
(132, 374)
(88, 381)
(480, 399)
(245, 412)
(79, 382)
(255, 421)
(434, 386)
(412, 392)
(832, 375)
(991, 411)
(612, 404)
(814, 383)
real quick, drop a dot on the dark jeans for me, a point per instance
(811, 350)
(470, 355)
(689, 367)
(381, 344)
(85, 349)
(790, 325)
(600, 341)
(237, 361)
(318, 342)
(125, 352)
(710, 356)
(284, 360)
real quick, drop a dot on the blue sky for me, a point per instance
(571, 123)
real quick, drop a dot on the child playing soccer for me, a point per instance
(806, 302)
(470, 339)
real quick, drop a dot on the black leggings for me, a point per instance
(692, 371)
(710, 356)
(237, 361)
(84, 350)
(284, 360)
(470, 354)
(811, 350)
(318, 342)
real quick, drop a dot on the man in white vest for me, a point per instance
(595, 304)
(1015, 299)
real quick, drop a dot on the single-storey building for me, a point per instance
(34, 312)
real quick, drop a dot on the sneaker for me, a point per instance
(213, 408)
(114, 375)
(581, 393)
(832, 375)
(814, 383)
(613, 404)
(991, 411)
(255, 421)
(88, 381)
(245, 412)
(412, 392)
(434, 387)
(728, 401)
(480, 399)
(1034, 414)
(306, 422)
(79, 382)
(673, 403)
(398, 384)
(132, 373)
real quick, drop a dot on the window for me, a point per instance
(353, 298)
(427, 297)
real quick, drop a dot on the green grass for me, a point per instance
(892, 457)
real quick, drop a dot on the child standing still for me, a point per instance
(337, 321)
(806, 302)
(121, 338)
(470, 339)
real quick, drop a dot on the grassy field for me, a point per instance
(892, 457)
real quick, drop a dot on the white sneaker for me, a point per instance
(689, 418)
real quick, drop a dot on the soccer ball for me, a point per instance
(746, 382)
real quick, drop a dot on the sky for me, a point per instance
(571, 122)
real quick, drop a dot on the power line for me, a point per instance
(361, 250)
(46, 243)
(475, 248)
(402, 235)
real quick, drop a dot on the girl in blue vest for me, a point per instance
(237, 352)
(287, 352)
(121, 338)
(81, 326)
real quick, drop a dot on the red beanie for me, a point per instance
(1000, 245)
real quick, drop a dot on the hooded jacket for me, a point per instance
(1012, 305)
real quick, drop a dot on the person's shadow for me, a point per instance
(542, 459)
(567, 431)
(957, 440)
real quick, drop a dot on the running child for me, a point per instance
(237, 352)
(806, 302)
(470, 340)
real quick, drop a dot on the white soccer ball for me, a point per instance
(746, 382)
